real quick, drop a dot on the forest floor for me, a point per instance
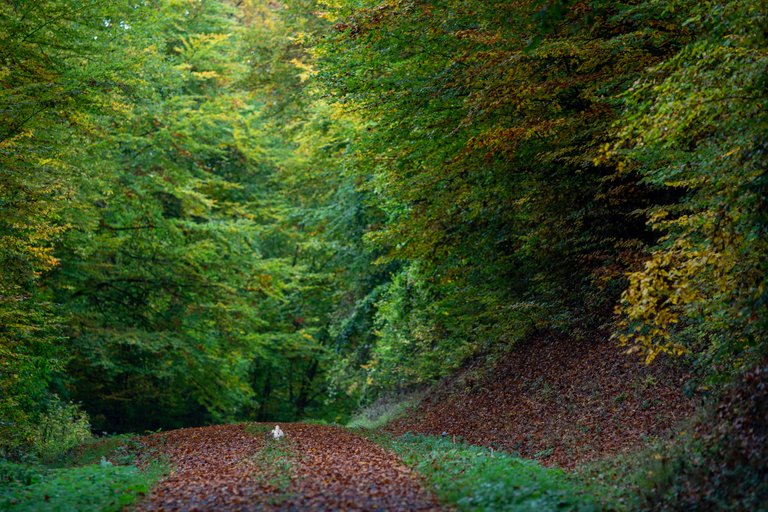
(561, 408)
(496, 435)
(559, 400)
(314, 467)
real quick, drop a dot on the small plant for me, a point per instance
(61, 427)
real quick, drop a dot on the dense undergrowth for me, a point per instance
(723, 465)
(100, 475)
(715, 461)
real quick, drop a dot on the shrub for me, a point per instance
(61, 427)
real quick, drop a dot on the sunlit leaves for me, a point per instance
(696, 123)
(59, 76)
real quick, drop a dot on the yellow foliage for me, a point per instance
(205, 75)
(675, 282)
(306, 69)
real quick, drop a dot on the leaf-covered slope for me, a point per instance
(562, 400)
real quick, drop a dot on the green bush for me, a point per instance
(18, 473)
(44, 434)
(98, 475)
(62, 427)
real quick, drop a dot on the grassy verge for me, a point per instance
(384, 410)
(98, 476)
(630, 481)
(276, 462)
(475, 478)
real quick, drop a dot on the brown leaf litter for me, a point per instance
(557, 399)
(215, 469)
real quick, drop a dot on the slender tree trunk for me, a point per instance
(265, 392)
(303, 398)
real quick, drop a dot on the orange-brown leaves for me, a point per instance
(216, 468)
(578, 400)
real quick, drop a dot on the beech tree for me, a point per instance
(214, 210)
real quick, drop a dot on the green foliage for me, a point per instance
(414, 330)
(45, 432)
(175, 279)
(532, 163)
(696, 123)
(99, 474)
(475, 478)
(154, 268)
(218, 210)
(61, 428)
(483, 123)
(98, 487)
(157, 287)
(57, 74)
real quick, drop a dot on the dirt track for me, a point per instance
(316, 467)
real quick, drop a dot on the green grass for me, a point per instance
(633, 480)
(79, 480)
(475, 478)
(384, 411)
(92, 487)
(276, 462)
(119, 449)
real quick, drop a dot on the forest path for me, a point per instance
(314, 467)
